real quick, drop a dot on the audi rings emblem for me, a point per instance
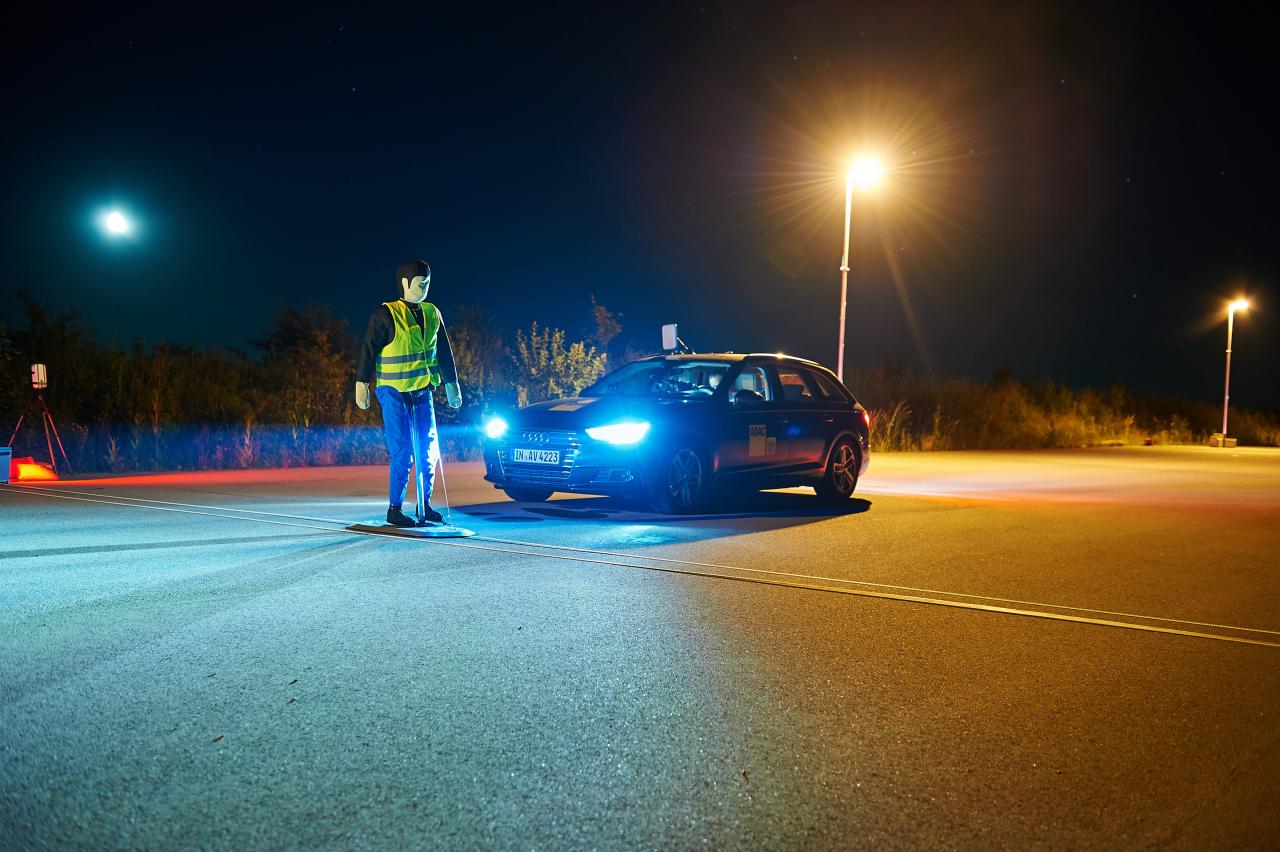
(535, 437)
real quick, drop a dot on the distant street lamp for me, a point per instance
(1237, 305)
(865, 172)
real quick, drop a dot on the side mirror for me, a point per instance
(747, 397)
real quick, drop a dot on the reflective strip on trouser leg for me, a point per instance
(418, 484)
(423, 438)
(425, 417)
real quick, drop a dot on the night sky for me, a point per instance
(1074, 190)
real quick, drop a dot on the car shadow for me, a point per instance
(749, 512)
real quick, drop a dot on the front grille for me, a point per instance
(540, 475)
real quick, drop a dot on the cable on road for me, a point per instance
(224, 512)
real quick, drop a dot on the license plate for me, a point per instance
(535, 456)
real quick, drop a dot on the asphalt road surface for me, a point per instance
(1058, 649)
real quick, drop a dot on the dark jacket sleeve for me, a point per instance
(377, 335)
(444, 356)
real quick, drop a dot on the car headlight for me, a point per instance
(620, 433)
(495, 427)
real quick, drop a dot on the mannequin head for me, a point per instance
(414, 278)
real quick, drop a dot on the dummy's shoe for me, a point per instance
(397, 518)
(432, 517)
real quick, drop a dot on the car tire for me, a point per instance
(841, 477)
(681, 480)
(528, 495)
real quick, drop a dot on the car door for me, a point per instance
(837, 411)
(752, 436)
(806, 421)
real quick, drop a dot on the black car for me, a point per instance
(677, 429)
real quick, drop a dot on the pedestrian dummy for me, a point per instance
(405, 355)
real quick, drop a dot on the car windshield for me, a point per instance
(662, 378)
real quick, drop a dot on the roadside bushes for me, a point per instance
(548, 367)
(912, 412)
(289, 402)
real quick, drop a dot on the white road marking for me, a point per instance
(772, 578)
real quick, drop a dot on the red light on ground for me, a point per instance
(29, 470)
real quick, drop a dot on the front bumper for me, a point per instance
(585, 466)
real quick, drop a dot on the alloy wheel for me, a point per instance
(684, 477)
(844, 474)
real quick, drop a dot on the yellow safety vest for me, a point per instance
(408, 362)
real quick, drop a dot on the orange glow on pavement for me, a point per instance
(252, 476)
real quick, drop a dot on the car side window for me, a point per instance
(753, 380)
(796, 385)
(826, 387)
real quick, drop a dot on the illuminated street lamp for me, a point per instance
(865, 173)
(1237, 305)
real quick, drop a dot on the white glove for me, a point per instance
(362, 395)
(454, 393)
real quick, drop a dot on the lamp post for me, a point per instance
(1237, 305)
(865, 172)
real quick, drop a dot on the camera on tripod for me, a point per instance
(39, 381)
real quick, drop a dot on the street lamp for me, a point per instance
(865, 172)
(1237, 305)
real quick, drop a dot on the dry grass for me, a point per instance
(920, 413)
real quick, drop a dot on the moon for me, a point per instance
(117, 223)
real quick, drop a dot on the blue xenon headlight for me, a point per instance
(620, 433)
(495, 427)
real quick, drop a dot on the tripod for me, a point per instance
(46, 419)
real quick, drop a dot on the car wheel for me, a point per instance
(681, 480)
(841, 478)
(528, 495)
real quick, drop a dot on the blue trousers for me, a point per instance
(399, 410)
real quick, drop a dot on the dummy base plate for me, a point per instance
(433, 531)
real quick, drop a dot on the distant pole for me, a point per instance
(1238, 304)
(866, 172)
(1226, 384)
(844, 272)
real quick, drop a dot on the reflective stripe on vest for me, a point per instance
(408, 362)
